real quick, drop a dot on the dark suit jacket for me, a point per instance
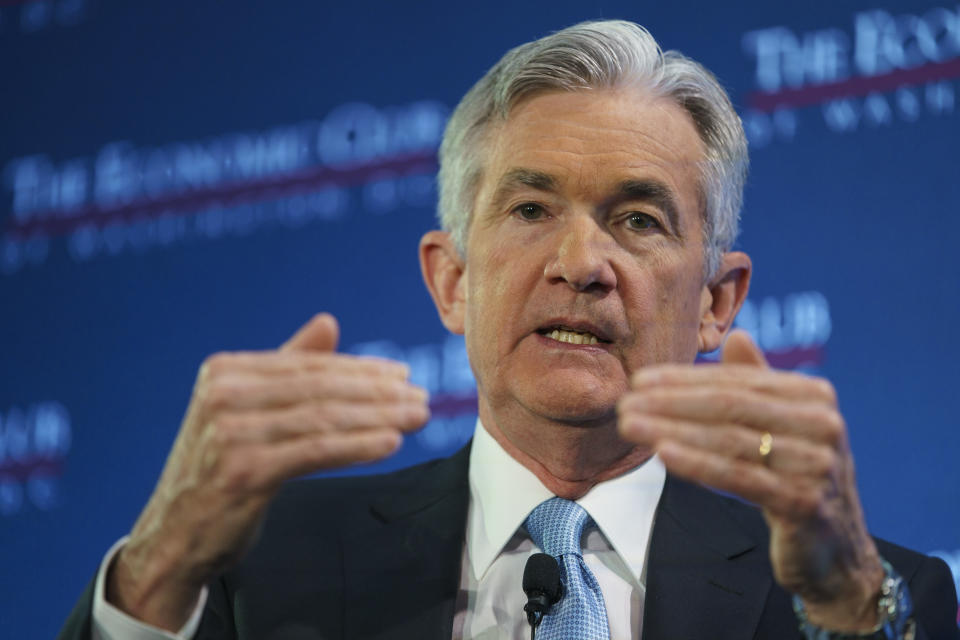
(379, 557)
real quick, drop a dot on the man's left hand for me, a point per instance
(709, 425)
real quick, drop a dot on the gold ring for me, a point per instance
(766, 446)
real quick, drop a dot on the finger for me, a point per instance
(790, 455)
(741, 349)
(235, 392)
(759, 412)
(330, 451)
(307, 421)
(784, 384)
(320, 333)
(296, 362)
(782, 496)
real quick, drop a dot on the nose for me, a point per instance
(583, 257)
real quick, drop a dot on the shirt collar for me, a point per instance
(503, 493)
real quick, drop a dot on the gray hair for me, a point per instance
(598, 55)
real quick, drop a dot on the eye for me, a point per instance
(529, 211)
(642, 221)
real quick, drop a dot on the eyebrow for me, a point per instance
(514, 179)
(654, 192)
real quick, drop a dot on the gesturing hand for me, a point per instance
(255, 420)
(708, 424)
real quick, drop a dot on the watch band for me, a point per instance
(894, 614)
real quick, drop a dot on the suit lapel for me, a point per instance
(708, 577)
(402, 561)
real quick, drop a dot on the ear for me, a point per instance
(444, 273)
(722, 298)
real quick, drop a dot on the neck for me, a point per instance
(569, 458)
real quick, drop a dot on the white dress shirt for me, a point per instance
(490, 604)
(502, 494)
(110, 623)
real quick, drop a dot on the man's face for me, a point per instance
(585, 254)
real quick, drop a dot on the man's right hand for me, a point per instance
(255, 420)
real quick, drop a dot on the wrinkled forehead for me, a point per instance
(600, 136)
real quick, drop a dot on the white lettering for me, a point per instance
(867, 27)
(801, 320)
(938, 34)
(939, 97)
(784, 59)
(809, 318)
(11, 496)
(880, 43)
(876, 111)
(872, 47)
(884, 42)
(758, 128)
(43, 490)
(419, 126)
(14, 437)
(256, 156)
(11, 258)
(381, 194)
(785, 123)
(31, 181)
(439, 368)
(116, 175)
(766, 45)
(841, 115)
(351, 135)
(196, 166)
(41, 431)
(73, 185)
(907, 103)
(156, 173)
(41, 189)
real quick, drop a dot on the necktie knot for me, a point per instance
(556, 526)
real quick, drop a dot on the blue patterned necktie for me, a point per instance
(556, 526)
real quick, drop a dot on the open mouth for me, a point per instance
(569, 335)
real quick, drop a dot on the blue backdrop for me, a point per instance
(179, 178)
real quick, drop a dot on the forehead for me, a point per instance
(591, 140)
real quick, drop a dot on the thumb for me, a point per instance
(741, 349)
(321, 333)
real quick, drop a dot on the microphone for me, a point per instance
(541, 583)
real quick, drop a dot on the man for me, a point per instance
(590, 188)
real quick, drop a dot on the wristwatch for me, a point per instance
(894, 614)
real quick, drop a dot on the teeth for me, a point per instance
(572, 337)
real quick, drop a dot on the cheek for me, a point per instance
(682, 302)
(505, 276)
(492, 305)
(658, 288)
(664, 304)
(680, 299)
(485, 298)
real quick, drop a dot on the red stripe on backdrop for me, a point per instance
(305, 181)
(858, 86)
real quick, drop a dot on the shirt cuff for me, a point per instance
(110, 623)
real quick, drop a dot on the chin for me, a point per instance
(572, 403)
